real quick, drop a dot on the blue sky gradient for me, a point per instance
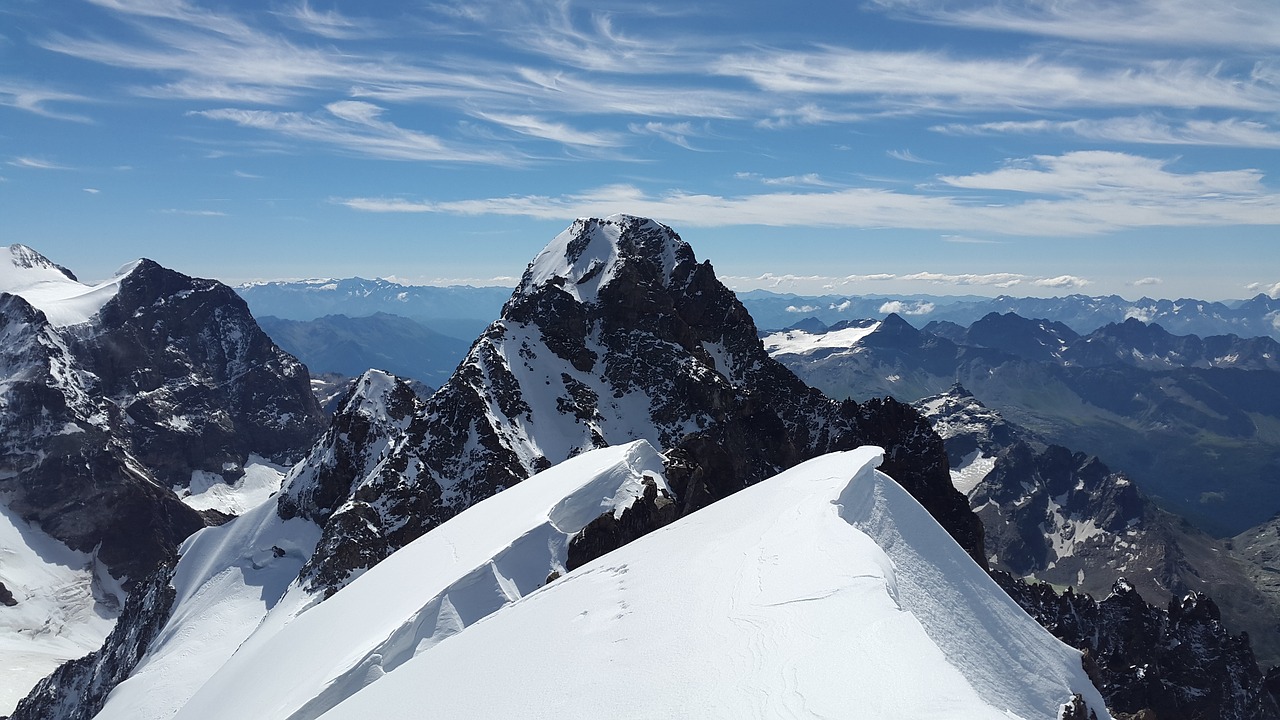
(890, 146)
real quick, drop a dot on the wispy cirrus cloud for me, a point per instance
(326, 23)
(931, 79)
(192, 213)
(559, 132)
(34, 163)
(1145, 129)
(1147, 282)
(1082, 193)
(677, 133)
(1243, 23)
(914, 282)
(38, 100)
(358, 126)
(908, 156)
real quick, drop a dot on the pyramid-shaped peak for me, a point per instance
(23, 258)
(588, 255)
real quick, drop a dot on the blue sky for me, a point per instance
(940, 146)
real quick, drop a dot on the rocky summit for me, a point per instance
(615, 333)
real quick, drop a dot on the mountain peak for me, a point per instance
(588, 255)
(27, 258)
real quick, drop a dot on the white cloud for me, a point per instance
(92, 191)
(677, 134)
(901, 308)
(1145, 129)
(802, 309)
(807, 179)
(1061, 282)
(1081, 193)
(357, 126)
(33, 163)
(548, 130)
(941, 82)
(908, 156)
(193, 213)
(1271, 290)
(1002, 280)
(37, 100)
(966, 240)
(1146, 281)
(1242, 23)
(325, 23)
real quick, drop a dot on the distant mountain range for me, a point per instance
(458, 311)
(1195, 422)
(352, 345)
(1256, 317)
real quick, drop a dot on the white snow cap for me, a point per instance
(585, 257)
(51, 289)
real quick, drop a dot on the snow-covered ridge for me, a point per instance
(51, 289)
(801, 342)
(826, 591)
(585, 257)
(238, 645)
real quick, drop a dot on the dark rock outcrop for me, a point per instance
(101, 420)
(1178, 662)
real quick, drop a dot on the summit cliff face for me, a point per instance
(616, 333)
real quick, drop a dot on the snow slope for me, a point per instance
(210, 491)
(236, 647)
(57, 616)
(826, 591)
(63, 299)
(228, 579)
(801, 342)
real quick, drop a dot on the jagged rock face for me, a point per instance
(1063, 517)
(616, 333)
(1053, 514)
(78, 689)
(202, 385)
(66, 465)
(101, 419)
(1179, 662)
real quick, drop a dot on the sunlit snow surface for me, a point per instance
(208, 491)
(971, 471)
(57, 617)
(800, 342)
(826, 591)
(64, 301)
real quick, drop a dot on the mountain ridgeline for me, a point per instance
(615, 336)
